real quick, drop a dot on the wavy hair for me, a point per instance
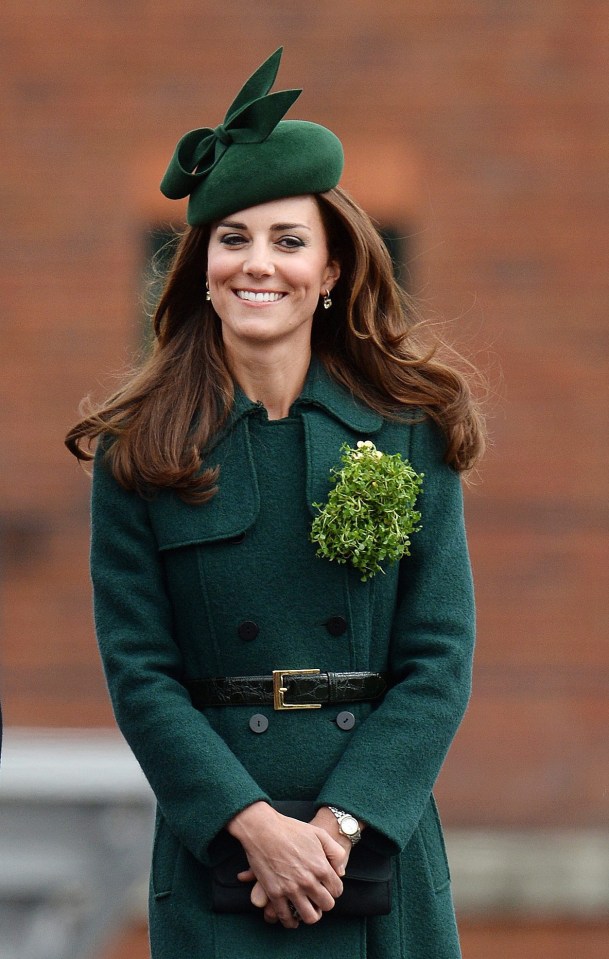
(372, 342)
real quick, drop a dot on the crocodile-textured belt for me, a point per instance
(287, 689)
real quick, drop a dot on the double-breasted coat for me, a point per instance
(233, 587)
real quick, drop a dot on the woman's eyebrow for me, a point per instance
(275, 227)
(233, 225)
(290, 226)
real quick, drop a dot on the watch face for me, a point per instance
(349, 825)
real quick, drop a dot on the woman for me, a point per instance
(281, 336)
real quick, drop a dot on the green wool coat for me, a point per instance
(174, 582)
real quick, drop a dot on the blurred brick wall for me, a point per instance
(481, 127)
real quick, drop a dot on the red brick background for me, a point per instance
(480, 129)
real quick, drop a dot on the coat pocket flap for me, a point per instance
(228, 515)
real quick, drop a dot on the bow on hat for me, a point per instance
(251, 117)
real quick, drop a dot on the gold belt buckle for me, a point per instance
(279, 690)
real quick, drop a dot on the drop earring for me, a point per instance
(327, 300)
(207, 293)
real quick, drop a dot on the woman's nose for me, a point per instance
(259, 261)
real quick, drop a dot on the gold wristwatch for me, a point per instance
(347, 824)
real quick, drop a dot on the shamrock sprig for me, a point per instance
(370, 511)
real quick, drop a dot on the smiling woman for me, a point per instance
(245, 667)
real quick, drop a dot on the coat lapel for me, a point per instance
(331, 416)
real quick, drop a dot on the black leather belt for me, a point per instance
(287, 689)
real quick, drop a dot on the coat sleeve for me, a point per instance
(386, 774)
(198, 782)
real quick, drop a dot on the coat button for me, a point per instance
(336, 625)
(235, 540)
(259, 723)
(248, 630)
(345, 720)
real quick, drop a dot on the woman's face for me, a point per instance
(267, 267)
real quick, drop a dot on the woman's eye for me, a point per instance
(232, 239)
(291, 242)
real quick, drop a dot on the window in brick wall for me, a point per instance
(397, 242)
(160, 243)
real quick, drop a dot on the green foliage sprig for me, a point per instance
(370, 511)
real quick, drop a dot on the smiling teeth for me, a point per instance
(259, 297)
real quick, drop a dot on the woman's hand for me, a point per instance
(327, 820)
(295, 864)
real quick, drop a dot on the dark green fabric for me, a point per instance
(253, 156)
(172, 584)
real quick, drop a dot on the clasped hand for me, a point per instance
(294, 864)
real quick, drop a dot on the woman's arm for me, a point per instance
(386, 774)
(199, 783)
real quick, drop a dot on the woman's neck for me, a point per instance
(273, 377)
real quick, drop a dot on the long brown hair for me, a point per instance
(371, 342)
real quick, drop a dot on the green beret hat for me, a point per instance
(254, 155)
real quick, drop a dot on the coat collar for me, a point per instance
(320, 391)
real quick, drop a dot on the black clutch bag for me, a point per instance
(366, 885)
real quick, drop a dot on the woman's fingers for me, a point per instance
(289, 910)
(258, 896)
(288, 917)
(337, 856)
(260, 899)
(311, 910)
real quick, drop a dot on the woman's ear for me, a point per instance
(332, 275)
